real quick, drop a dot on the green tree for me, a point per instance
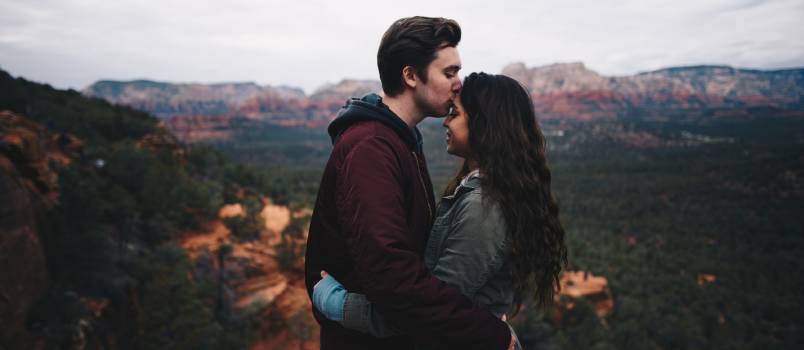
(299, 326)
(171, 313)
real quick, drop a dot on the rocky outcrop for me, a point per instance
(29, 155)
(163, 141)
(705, 278)
(33, 152)
(256, 288)
(582, 284)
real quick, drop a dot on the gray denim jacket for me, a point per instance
(468, 248)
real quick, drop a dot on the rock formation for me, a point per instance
(345, 89)
(256, 287)
(165, 100)
(29, 155)
(582, 284)
(216, 112)
(570, 90)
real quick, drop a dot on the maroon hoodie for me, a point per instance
(370, 224)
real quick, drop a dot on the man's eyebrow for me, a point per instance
(454, 67)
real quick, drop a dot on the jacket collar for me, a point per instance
(469, 182)
(371, 107)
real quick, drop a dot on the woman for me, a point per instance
(497, 236)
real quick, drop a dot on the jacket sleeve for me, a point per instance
(360, 315)
(474, 248)
(373, 220)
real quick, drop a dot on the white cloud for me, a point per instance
(72, 43)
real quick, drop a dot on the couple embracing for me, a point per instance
(385, 266)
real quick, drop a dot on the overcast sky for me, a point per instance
(306, 43)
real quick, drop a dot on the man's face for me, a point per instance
(443, 84)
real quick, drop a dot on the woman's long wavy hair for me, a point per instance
(508, 145)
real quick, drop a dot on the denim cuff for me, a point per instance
(356, 312)
(329, 297)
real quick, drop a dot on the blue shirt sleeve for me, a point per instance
(329, 295)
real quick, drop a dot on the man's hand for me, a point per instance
(329, 296)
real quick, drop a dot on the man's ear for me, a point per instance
(410, 77)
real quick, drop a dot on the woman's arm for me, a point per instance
(474, 250)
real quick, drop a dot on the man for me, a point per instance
(375, 204)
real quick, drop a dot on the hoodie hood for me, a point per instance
(371, 107)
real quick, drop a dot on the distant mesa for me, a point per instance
(560, 91)
(166, 100)
(214, 112)
(572, 91)
(556, 77)
(347, 88)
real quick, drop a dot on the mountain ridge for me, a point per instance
(572, 91)
(560, 91)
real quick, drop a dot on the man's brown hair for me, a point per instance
(413, 41)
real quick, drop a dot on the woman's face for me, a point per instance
(457, 131)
